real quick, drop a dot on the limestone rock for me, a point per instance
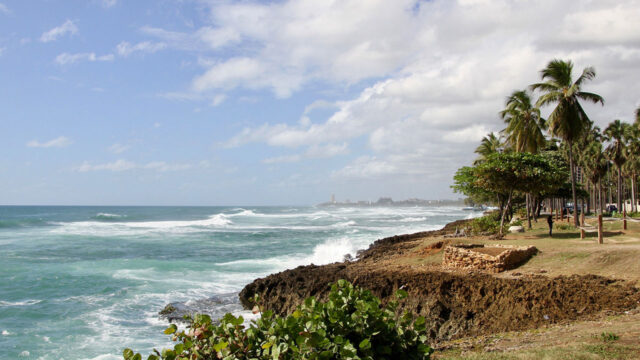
(516, 229)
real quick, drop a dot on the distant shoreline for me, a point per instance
(389, 202)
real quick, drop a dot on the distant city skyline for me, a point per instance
(114, 102)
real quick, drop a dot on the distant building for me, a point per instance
(333, 198)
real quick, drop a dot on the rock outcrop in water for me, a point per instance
(215, 307)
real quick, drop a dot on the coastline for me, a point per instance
(456, 303)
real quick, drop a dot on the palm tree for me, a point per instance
(632, 165)
(568, 119)
(596, 165)
(524, 129)
(616, 133)
(490, 144)
(524, 123)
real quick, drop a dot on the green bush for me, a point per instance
(351, 324)
(488, 224)
(609, 337)
(629, 214)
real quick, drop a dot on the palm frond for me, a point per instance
(587, 74)
(558, 72)
(594, 98)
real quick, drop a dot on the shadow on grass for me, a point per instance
(576, 235)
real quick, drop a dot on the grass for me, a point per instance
(574, 352)
(613, 337)
(563, 254)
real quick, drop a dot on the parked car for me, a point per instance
(611, 208)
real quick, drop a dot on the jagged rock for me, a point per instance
(214, 306)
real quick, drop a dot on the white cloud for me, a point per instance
(118, 148)
(125, 48)
(58, 142)
(182, 96)
(218, 99)
(312, 152)
(327, 150)
(205, 38)
(68, 27)
(471, 134)
(125, 165)
(366, 167)
(118, 165)
(442, 70)
(109, 3)
(4, 9)
(282, 159)
(66, 58)
(163, 166)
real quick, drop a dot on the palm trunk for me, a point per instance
(609, 187)
(573, 185)
(619, 189)
(600, 196)
(633, 192)
(590, 197)
(528, 205)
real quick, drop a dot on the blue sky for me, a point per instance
(284, 102)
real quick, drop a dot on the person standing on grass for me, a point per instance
(550, 222)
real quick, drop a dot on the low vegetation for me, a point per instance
(351, 324)
(485, 225)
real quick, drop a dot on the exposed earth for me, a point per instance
(569, 283)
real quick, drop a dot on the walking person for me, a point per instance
(550, 222)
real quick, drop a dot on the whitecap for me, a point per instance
(96, 228)
(20, 303)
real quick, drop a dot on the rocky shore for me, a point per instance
(456, 303)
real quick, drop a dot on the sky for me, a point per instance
(194, 102)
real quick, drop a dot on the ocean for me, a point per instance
(80, 282)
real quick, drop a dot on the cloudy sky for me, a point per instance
(279, 102)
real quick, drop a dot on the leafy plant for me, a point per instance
(516, 223)
(563, 227)
(609, 337)
(487, 224)
(629, 214)
(351, 324)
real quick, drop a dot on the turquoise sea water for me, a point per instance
(85, 282)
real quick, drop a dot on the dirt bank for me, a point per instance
(456, 304)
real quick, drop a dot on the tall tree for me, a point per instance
(524, 131)
(616, 151)
(525, 126)
(596, 165)
(507, 173)
(490, 144)
(568, 120)
(632, 165)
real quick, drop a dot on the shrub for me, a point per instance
(609, 337)
(485, 225)
(629, 214)
(351, 324)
